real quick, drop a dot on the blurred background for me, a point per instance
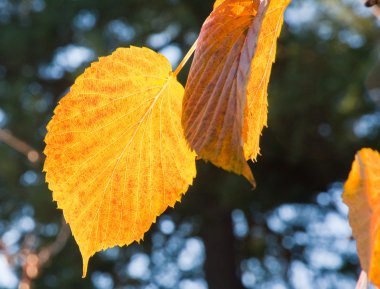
(290, 233)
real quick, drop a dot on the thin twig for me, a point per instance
(20, 146)
(34, 262)
(53, 249)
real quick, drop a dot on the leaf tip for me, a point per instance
(85, 259)
(247, 173)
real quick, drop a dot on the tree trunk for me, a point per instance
(221, 266)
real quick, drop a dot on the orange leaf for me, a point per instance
(217, 3)
(361, 194)
(116, 157)
(225, 104)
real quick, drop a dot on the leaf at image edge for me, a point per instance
(361, 194)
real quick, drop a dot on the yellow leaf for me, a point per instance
(116, 157)
(362, 195)
(218, 2)
(225, 104)
(256, 110)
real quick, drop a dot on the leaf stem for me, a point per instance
(186, 58)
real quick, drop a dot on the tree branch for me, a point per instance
(20, 146)
(34, 262)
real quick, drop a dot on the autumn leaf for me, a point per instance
(116, 157)
(225, 104)
(217, 3)
(362, 195)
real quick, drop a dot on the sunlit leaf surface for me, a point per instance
(362, 195)
(116, 157)
(225, 105)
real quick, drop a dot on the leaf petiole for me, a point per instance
(186, 58)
